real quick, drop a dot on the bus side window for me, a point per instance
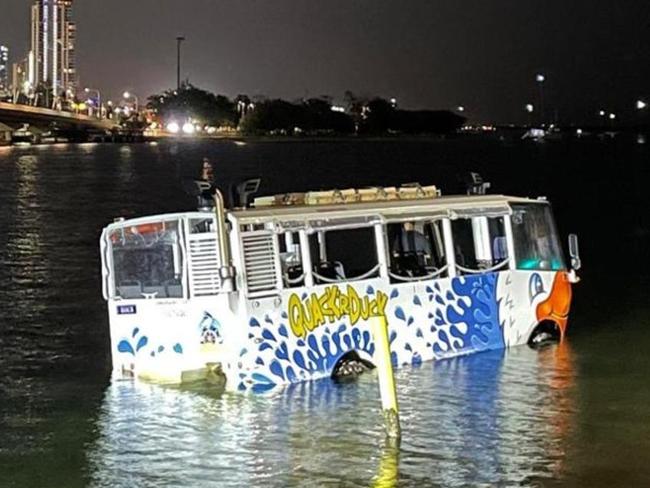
(480, 243)
(464, 249)
(291, 259)
(435, 233)
(344, 255)
(416, 250)
(498, 240)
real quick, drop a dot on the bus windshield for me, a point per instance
(147, 261)
(536, 241)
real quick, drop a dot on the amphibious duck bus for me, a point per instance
(283, 291)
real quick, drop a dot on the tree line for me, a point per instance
(312, 116)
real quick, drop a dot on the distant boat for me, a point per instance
(534, 134)
(23, 136)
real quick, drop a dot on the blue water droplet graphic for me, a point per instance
(124, 346)
(141, 343)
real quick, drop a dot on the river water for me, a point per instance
(575, 414)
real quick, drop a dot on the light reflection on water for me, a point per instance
(491, 418)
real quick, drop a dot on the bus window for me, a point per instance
(463, 236)
(147, 261)
(416, 250)
(290, 259)
(498, 240)
(344, 255)
(535, 237)
(480, 243)
(202, 225)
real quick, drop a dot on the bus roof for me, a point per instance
(388, 209)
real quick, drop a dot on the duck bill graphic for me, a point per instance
(556, 307)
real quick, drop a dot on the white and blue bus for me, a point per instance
(283, 291)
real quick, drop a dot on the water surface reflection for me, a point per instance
(492, 418)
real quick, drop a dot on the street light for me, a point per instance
(540, 79)
(530, 109)
(128, 95)
(179, 40)
(99, 98)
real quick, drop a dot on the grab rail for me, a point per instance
(496, 267)
(354, 278)
(419, 278)
(293, 281)
(406, 279)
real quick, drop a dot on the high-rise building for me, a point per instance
(53, 47)
(4, 68)
(64, 73)
(40, 45)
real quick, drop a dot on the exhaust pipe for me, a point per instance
(226, 270)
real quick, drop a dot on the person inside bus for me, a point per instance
(411, 250)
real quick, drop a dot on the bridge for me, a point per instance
(14, 115)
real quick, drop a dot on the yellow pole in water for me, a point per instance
(379, 326)
(388, 470)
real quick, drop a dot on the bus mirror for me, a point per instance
(574, 252)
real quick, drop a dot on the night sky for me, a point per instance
(426, 53)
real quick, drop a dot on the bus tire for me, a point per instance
(350, 365)
(546, 332)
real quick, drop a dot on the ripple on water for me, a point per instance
(474, 420)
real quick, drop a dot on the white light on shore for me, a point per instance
(540, 78)
(601, 113)
(612, 116)
(640, 104)
(188, 128)
(173, 127)
(529, 108)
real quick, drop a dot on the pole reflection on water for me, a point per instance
(488, 418)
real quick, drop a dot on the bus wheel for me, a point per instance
(350, 365)
(545, 333)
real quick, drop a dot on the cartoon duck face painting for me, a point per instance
(526, 300)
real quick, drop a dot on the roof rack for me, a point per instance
(408, 191)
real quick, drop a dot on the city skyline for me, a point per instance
(430, 55)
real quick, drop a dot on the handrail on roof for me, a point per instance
(410, 191)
